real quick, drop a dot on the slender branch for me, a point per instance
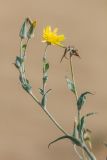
(49, 115)
(44, 59)
(55, 122)
(73, 79)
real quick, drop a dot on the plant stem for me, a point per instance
(76, 96)
(49, 115)
(44, 59)
(89, 153)
(55, 122)
(73, 79)
(84, 147)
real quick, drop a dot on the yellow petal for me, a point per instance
(55, 30)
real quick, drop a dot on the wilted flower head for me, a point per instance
(70, 51)
(51, 37)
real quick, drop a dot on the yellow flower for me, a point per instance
(51, 37)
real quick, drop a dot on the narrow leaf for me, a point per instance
(41, 91)
(45, 78)
(24, 28)
(18, 62)
(74, 140)
(43, 102)
(82, 99)
(44, 98)
(81, 124)
(45, 65)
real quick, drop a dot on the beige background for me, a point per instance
(25, 131)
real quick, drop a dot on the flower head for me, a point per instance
(51, 37)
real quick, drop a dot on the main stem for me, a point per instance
(84, 147)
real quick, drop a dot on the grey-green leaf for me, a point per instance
(25, 84)
(45, 78)
(74, 140)
(81, 124)
(24, 29)
(41, 91)
(45, 65)
(82, 99)
(18, 62)
(43, 102)
(44, 98)
(70, 85)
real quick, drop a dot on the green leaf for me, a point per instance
(41, 91)
(24, 47)
(24, 29)
(43, 102)
(90, 114)
(74, 140)
(44, 98)
(45, 65)
(25, 84)
(82, 99)
(81, 124)
(45, 78)
(18, 62)
(70, 85)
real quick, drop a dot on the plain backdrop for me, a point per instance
(25, 130)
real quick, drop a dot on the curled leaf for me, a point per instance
(82, 99)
